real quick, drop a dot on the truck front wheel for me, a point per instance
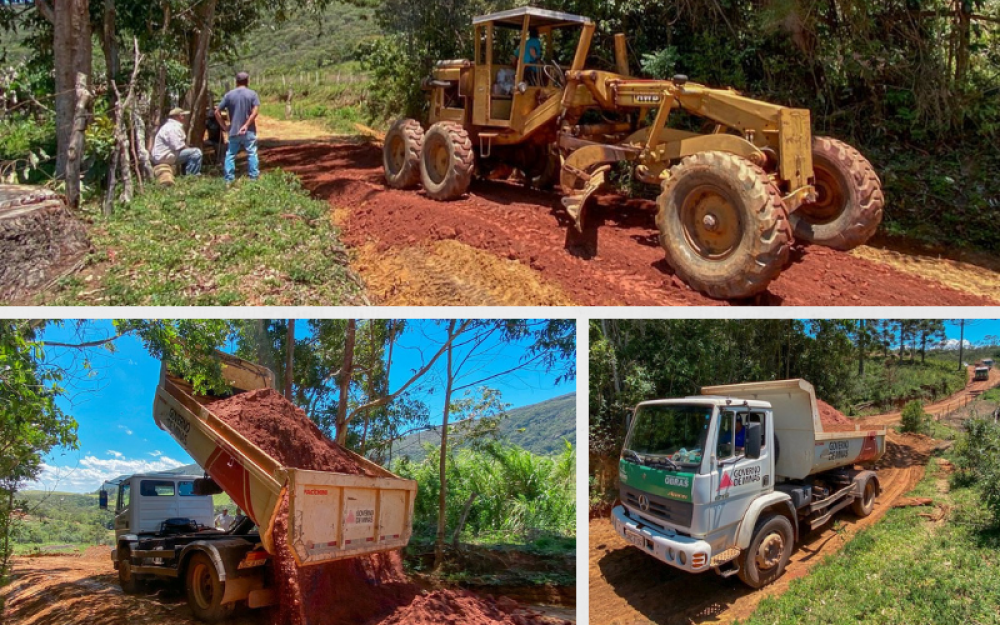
(130, 585)
(205, 590)
(765, 559)
(862, 506)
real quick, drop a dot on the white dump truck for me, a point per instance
(332, 516)
(729, 480)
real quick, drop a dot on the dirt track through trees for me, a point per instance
(628, 587)
(520, 253)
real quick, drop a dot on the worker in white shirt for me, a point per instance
(224, 521)
(170, 145)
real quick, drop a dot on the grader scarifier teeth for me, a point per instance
(574, 203)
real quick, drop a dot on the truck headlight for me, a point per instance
(682, 557)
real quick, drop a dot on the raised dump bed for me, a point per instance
(332, 516)
(806, 446)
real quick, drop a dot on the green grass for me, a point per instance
(50, 548)
(904, 569)
(199, 243)
(885, 384)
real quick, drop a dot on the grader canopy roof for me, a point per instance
(540, 18)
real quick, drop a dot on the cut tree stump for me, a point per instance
(40, 239)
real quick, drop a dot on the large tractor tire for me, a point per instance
(723, 225)
(447, 161)
(849, 200)
(401, 154)
(205, 590)
(770, 549)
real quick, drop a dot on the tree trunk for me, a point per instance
(199, 73)
(346, 373)
(289, 358)
(862, 346)
(109, 43)
(72, 50)
(443, 461)
(75, 146)
(160, 91)
(961, 343)
(462, 520)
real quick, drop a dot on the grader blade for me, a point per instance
(574, 204)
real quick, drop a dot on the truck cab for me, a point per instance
(706, 485)
(144, 502)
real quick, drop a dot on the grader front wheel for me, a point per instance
(848, 206)
(723, 225)
(447, 162)
(401, 154)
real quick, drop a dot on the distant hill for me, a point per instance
(307, 41)
(540, 428)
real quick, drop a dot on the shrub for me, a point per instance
(914, 418)
(979, 461)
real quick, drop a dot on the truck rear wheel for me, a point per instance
(848, 206)
(401, 154)
(130, 584)
(205, 590)
(447, 161)
(723, 225)
(862, 506)
(770, 548)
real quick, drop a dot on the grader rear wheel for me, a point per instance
(401, 154)
(447, 162)
(723, 225)
(848, 206)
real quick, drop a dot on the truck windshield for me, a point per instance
(676, 432)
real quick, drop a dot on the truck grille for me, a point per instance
(675, 512)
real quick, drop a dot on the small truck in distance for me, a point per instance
(729, 480)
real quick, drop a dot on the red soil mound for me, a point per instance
(829, 415)
(462, 607)
(283, 430)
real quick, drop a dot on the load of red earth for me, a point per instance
(372, 589)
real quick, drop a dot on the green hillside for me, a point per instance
(60, 518)
(307, 41)
(540, 428)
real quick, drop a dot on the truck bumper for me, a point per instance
(682, 552)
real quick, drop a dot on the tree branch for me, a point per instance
(83, 345)
(46, 11)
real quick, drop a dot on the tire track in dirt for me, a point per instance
(616, 261)
(628, 587)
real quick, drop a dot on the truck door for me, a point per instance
(736, 479)
(123, 509)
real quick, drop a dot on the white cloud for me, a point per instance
(156, 454)
(953, 344)
(116, 454)
(127, 431)
(91, 472)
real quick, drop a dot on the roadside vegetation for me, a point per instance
(199, 243)
(909, 568)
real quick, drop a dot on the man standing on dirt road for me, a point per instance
(224, 521)
(242, 104)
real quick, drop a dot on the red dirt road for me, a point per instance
(617, 261)
(628, 587)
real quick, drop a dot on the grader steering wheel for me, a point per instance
(555, 74)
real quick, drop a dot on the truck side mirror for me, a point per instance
(102, 498)
(752, 441)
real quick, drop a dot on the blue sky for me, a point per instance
(111, 397)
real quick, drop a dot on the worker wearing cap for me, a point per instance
(170, 146)
(242, 105)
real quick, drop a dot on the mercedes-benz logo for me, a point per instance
(643, 503)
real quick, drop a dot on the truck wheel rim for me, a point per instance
(126, 570)
(869, 493)
(397, 154)
(769, 552)
(203, 587)
(830, 197)
(712, 223)
(439, 158)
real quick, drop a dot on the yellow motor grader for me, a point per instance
(733, 198)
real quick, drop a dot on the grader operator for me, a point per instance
(732, 199)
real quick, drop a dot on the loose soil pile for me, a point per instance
(283, 430)
(369, 589)
(828, 415)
